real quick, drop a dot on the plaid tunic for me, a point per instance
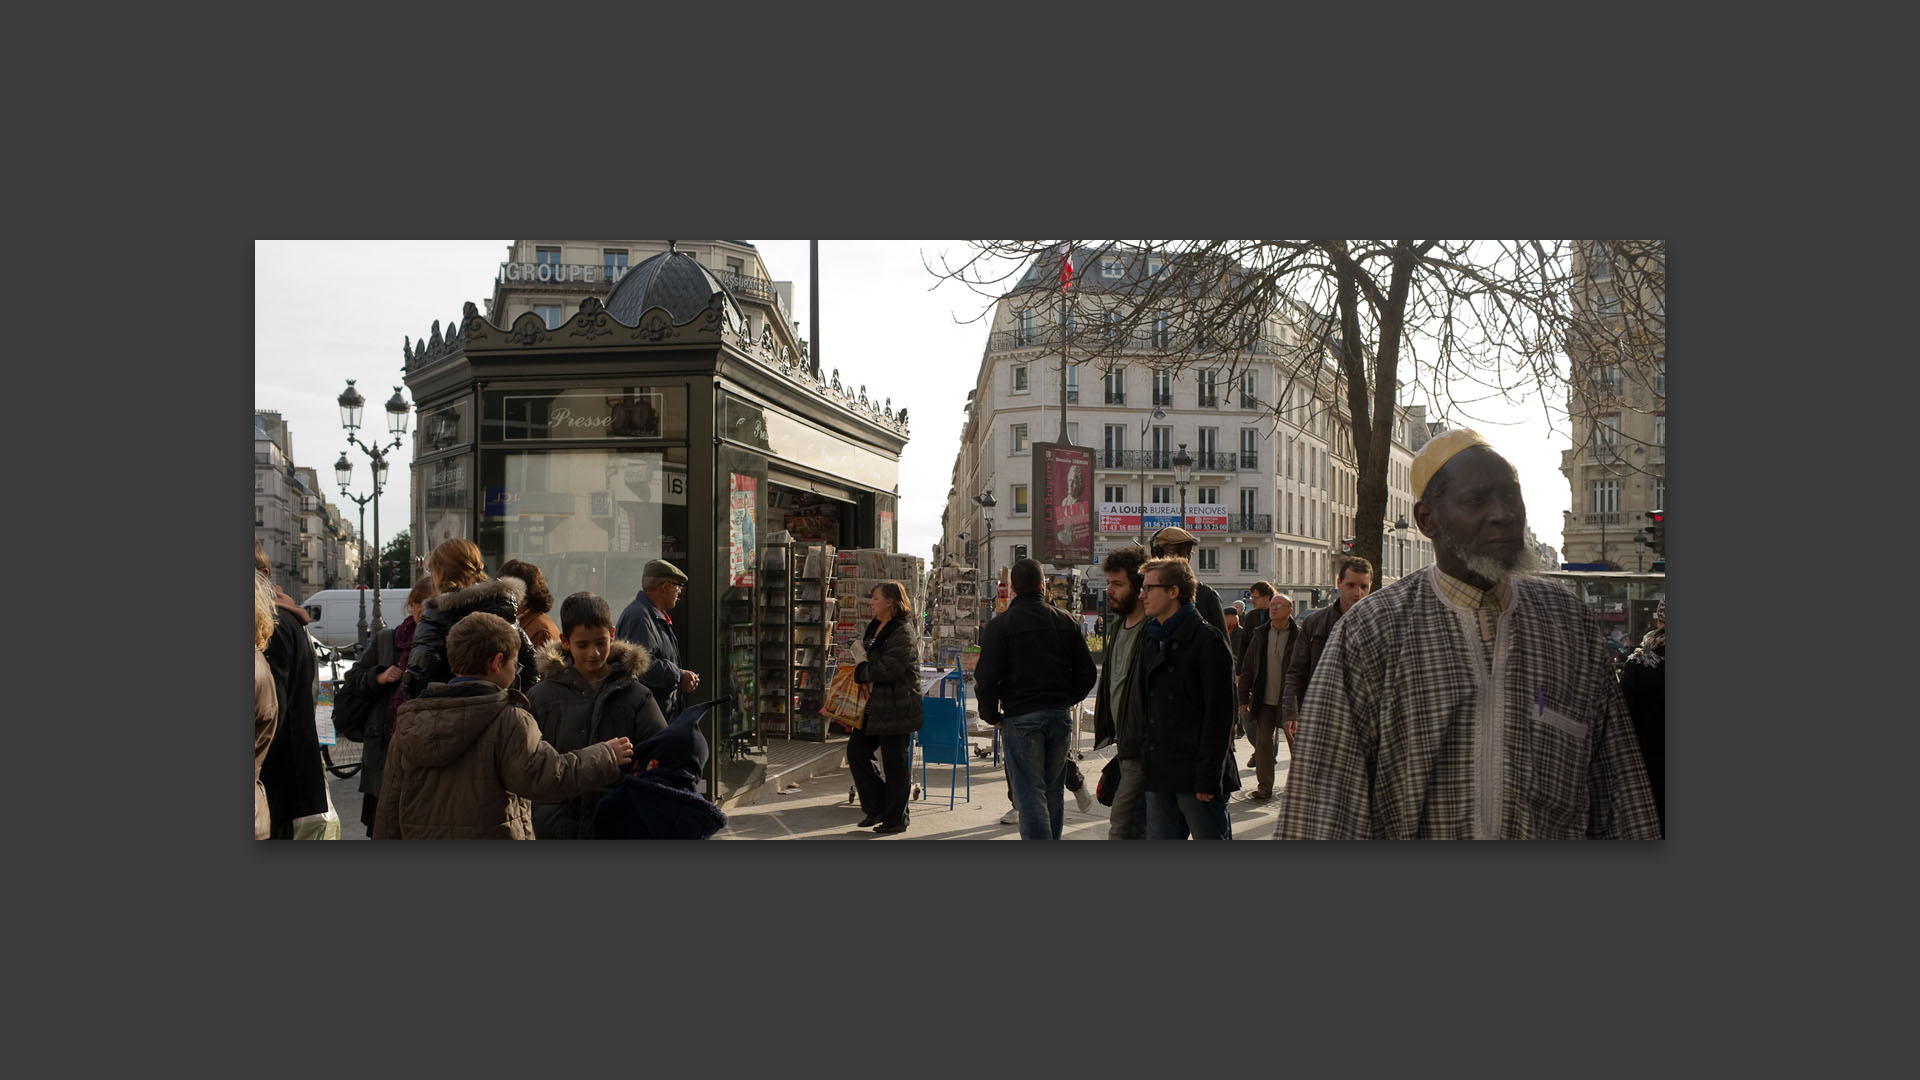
(1413, 728)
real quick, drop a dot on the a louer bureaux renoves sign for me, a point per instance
(1125, 517)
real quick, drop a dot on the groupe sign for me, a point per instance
(560, 272)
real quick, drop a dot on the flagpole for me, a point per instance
(1066, 340)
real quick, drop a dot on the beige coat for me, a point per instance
(466, 760)
(266, 717)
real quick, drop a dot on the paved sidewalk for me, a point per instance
(820, 810)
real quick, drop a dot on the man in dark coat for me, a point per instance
(1355, 580)
(293, 774)
(1034, 668)
(1186, 682)
(1262, 676)
(645, 622)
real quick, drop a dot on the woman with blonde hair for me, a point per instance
(461, 587)
(266, 705)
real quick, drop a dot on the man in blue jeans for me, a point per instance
(1186, 685)
(1034, 667)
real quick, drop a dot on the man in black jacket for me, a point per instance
(1186, 684)
(1355, 581)
(1034, 667)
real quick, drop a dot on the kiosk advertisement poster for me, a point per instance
(742, 499)
(1062, 476)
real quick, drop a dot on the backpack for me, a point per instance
(357, 698)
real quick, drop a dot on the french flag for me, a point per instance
(1066, 267)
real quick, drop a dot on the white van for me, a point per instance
(335, 613)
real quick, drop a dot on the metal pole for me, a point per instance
(1066, 340)
(363, 593)
(813, 304)
(378, 624)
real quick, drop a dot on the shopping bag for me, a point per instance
(318, 826)
(846, 702)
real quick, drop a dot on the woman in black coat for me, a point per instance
(888, 657)
(1643, 683)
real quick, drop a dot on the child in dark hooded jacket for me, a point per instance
(664, 802)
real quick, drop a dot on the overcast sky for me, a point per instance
(326, 311)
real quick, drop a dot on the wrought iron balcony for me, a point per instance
(1102, 339)
(1216, 461)
(1162, 460)
(1116, 397)
(1249, 459)
(1163, 399)
(1209, 401)
(1251, 523)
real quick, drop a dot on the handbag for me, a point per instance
(846, 699)
(1109, 782)
(318, 826)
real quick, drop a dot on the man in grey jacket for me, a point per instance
(1115, 706)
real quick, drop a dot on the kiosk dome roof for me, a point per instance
(672, 280)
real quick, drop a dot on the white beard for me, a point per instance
(1525, 561)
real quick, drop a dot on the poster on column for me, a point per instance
(1062, 475)
(742, 501)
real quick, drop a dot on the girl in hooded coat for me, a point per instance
(461, 587)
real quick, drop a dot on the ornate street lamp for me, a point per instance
(1182, 472)
(352, 404)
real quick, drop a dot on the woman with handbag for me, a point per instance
(887, 659)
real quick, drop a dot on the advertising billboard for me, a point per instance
(1062, 481)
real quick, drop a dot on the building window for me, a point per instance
(1115, 445)
(1069, 322)
(1248, 498)
(1020, 378)
(1154, 266)
(1162, 494)
(1209, 392)
(1286, 456)
(1209, 448)
(259, 483)
(1073, 384)
(1023, 334)
(1019, 432)
(1660, 375)
(1209, 560)
(1207, 496)
(1659, 493)
(1289, 510)
(1608, 306)
(1073, 432)
(1019, 498)
(1116, 387)
(1249, 560)
(546, 256)
(1603, 496)
(1660, 430)
(1602, 265)
(1607, 431)
(1116, 493)
(549, 314)
(737, 267)
(1112, 324)
(1249, 448)
(1249, 390)
(1161, 329)
(1162, 387)
(614, 262)
(1607, 380)
(1111, 268)
(1163, 448)
(259, 516)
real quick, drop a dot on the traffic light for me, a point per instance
(1346, 543)
(1657, 532)
(1316, 598)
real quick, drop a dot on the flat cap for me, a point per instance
(662, 569)
(1173, 534)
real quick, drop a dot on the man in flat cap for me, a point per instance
(1179, 543)
(1467, 700)
(646, 623)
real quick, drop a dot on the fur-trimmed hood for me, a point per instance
(552, 659)
(477, 597)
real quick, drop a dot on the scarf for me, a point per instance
(1161, 632)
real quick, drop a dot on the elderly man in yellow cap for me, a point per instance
(1467, 700)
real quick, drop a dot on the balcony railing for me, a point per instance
(1116, 397)
(1249, 459)
(1209, 401)
(1253, 523)
(1099, 338)
(1162, 460)
(1603, 519)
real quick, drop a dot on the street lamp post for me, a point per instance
(1395, 528)
(1158, 414)
(351, 405)
(1182, 472)
(991, 579)
(343, 472)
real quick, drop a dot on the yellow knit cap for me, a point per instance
(1439, 450)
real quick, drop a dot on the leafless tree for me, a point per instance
(1360, 323)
